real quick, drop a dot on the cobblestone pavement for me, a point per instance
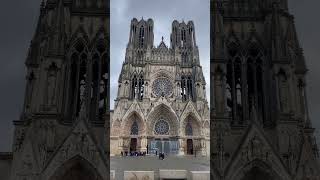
(152, 163)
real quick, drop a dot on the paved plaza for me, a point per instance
(152, 163)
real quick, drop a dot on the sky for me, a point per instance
(163, 13)
(18, 20)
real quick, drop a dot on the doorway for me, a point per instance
(189, 146)
(133, 144)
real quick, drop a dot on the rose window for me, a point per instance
(161, 127)
(162, 87)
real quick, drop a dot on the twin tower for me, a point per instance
(142, 36)
(183, 49)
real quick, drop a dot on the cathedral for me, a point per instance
(257, 127)
(260, 127)
(161, 105)
(62, 134)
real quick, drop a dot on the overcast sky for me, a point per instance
(18, 20)
(163, 13)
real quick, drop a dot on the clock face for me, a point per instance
(162, 87)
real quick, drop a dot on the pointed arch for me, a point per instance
(256, 169)
(76, 168)
(76, 77)
(100, 79)
(80, 33)
(134, 108)
(193, 122)
(190, 110)
(133, 119)
(163, 112)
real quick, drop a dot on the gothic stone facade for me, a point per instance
(260, 128)
(61, 133)
(161, 102)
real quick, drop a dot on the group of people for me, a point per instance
(133, 153)
(136, 153)
(161, 155)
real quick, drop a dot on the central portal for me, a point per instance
(167, 146)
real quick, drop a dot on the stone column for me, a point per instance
(143, 143)
(181, 147)
(120, 144)
(203, 147)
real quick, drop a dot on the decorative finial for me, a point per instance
(162, 38)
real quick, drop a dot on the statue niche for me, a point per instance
(51, 84)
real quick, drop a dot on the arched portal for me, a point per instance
(133, 132)
(76, 168)
(163, 129)
(256, 173)
(133, 125)
(254, 170)
(191, 130)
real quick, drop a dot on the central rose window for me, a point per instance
(162, 87)
(161, 127)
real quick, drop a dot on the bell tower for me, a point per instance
(141, 34)
(183, 35)
(140, 41)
